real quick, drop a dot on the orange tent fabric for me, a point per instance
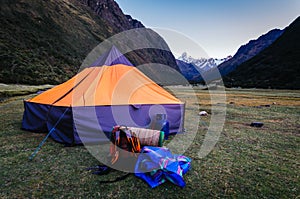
(107, 85)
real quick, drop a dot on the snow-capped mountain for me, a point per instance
(202, 64)
(189, 71)
(192, 69)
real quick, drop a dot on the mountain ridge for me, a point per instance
(45, 42)
(189, 71)
(249, 50)
(192, 68)
(275, 67)
(244, 53)
(202, 64)
(110, 11)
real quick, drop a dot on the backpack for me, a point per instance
(124, 144)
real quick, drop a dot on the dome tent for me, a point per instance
(109, 92)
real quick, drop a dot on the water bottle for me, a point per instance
(161, 123)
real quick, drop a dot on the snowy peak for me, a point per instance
(202, 64)
(220, 61)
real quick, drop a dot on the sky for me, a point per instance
(219, 27)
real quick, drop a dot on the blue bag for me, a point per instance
(156, 165)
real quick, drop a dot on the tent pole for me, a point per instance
(44, 140)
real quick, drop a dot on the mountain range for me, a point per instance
(249, 50)
(277, 66)
(192, 68)
(45, 42)
(211, 69)
(202, 64)
(244, 53)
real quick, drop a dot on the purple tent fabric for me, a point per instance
(93, 124)
(112, 57)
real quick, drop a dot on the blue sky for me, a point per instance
(219, 27)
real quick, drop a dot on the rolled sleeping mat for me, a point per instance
(149, 137)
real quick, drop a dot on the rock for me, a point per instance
(203, 113)
(110, 11)
(257, 124)
(266, 105)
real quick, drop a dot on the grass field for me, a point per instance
(7, 90)
(246, 162)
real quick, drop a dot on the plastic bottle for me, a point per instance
(161, 123)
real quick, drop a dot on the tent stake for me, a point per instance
(44, 140)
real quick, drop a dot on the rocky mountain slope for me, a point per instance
(189, 71)
(46, 41)
(249, 50)
(110, 11)
(244, 53)
(277, 66)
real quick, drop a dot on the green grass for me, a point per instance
(9, 90)
(58, 36)
(246, 162)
